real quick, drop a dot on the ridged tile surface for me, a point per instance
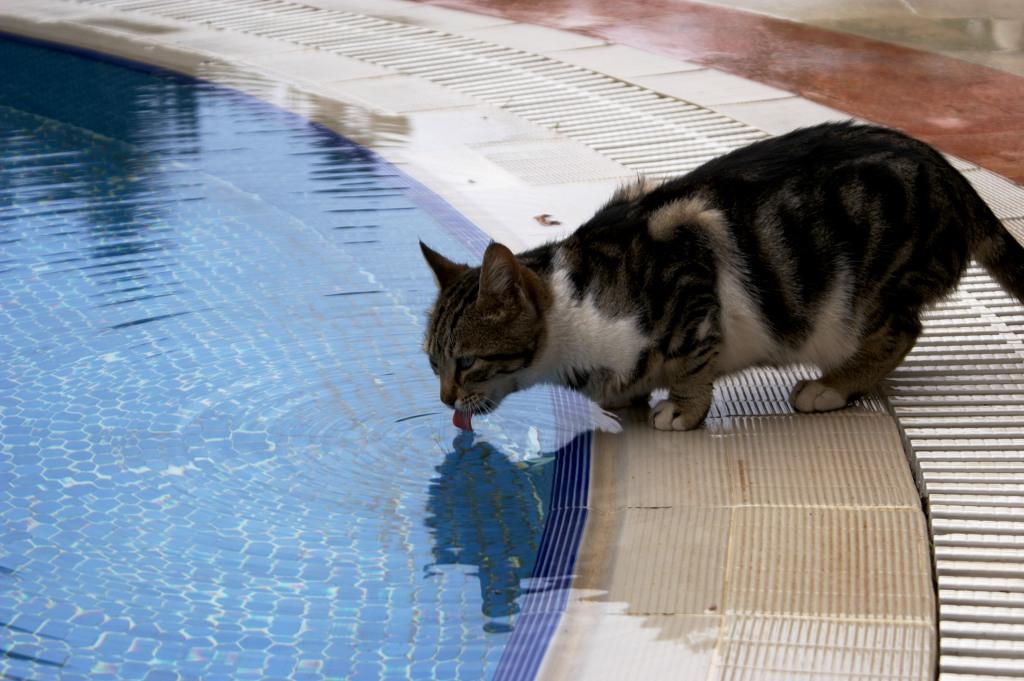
(829, 562)
(799, 649)
(502, 66)
(666, 561)
(611, 646)
(959, 399)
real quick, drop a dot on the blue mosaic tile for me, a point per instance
(221, 451)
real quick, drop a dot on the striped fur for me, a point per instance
(821, 246)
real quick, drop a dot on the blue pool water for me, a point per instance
(222, 454)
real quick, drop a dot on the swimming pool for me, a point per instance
(222, 454)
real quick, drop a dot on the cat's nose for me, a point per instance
(449, 394)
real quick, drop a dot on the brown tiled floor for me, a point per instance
(964, 108)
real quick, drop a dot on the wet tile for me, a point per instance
(779, 116)
(363, 6)
(400, 94)
(137, 26)
(655, 561)
(809, 11)
(23, 10)
(831, 563)
(228, 44)
(480, 126)
(548, 162)
(805, 649)
(568, 204)
(620, 61)
(710, 88)
(644, 467)
(858, 476)
(439, 18)
(601, 643)
(535, 39)
(315, 66)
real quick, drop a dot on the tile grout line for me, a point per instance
(717, 658)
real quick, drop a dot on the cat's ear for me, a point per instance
(501, 276)
(445, 271)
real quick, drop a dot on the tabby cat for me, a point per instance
(821, 247)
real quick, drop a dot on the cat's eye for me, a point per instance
(464, 363)
(433, 365)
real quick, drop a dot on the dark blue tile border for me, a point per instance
(546, 597)
(548, 594)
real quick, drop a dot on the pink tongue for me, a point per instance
(461, 419)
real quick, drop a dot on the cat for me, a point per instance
(821, 247)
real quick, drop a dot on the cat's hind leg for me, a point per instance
(881, 351)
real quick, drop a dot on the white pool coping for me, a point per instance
(767, 545)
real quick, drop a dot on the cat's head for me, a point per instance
(486, 328)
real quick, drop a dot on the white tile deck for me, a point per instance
(711, 87)
(537, 39)
(620, 61)
(778, 116)
(400, 94)
(315, 66)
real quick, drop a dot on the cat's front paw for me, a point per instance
(669, 415)
(811, 396)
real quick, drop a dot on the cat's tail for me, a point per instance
(1003, 257)
(1001, 254)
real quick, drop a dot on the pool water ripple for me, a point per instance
(221, 450)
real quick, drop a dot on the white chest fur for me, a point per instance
(582, 337)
